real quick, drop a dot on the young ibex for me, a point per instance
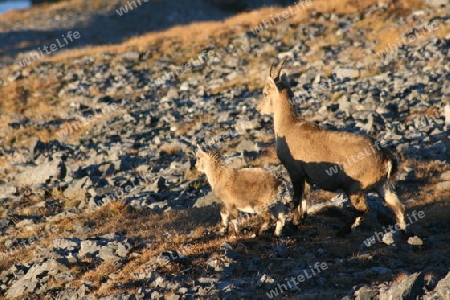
(249, 190)
(309, 152)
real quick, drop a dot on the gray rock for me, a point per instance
(408, 289)
(7, 189)
(445, 176)
(39, 174)
(443, 186)
(64, 277)
(66, 244)
(170, 256)
(26, 223)
(346, 73)
(184, 86)
(344, 104)
(436, 3)
(243, 125)
(447, 113)
(69, 293)
(107, 253)
(265, 280)
(159, 205)
(158, 185)
(366, 293)
(172, 93)
(247, 146)
(415, 241)
(206, 200)
(35, 280)
(77, 189)
(388, 239)
(69, 260)
(131, 56)
(89, 248)
(226, 246)
(442, 289)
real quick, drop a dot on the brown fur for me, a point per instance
(308, 151)
(250, 190)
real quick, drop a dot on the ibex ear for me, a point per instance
(284, 78)
(271, 82)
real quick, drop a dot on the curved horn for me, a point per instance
(270, 70)
(278, 70)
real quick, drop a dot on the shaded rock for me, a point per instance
(374, 271)
(206, 200)
(68, 260)
(170, 256)
(265, 280)
(408, 289)
(157, 186)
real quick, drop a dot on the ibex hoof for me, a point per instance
(278, 235)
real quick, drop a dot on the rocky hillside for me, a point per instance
(98, 190)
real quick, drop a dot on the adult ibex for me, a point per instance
(314, 155)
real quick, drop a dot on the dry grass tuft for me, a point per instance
(170, 149)
(400, 277)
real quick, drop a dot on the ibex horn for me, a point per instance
(278, 70)
(270, 71)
